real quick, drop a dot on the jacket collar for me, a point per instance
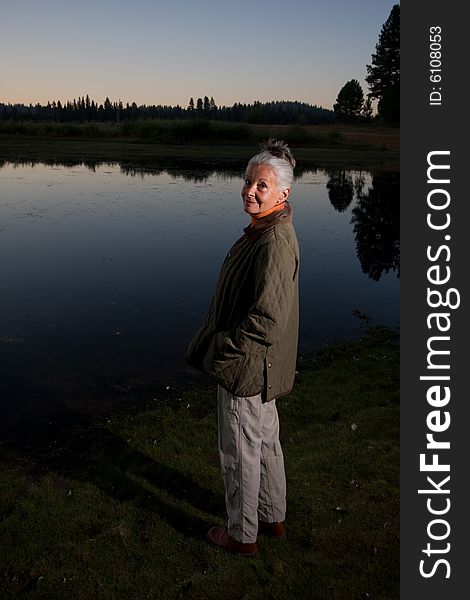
(254, 231)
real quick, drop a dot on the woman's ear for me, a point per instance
(284, 195)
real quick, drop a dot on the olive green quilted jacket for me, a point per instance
(248, 341)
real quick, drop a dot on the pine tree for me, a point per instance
(108, 110)
(384, 73)
(366, 112)
(349, 101)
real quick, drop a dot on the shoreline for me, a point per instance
(351, 146)
(147, 486)
(65, 422)
(168, 390)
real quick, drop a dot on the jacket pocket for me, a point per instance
(250, 379)
(226, 371)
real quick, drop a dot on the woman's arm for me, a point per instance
(275, 272)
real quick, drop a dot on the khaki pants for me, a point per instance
(252, 463)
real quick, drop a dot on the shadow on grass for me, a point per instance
(97, 457)
(116, 530)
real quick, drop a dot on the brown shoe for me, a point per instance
(274, 530)
(220, 537)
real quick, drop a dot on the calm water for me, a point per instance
(106, 274)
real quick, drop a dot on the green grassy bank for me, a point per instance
(120, 509)
(211, 142)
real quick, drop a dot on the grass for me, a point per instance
(120, 509)
(214, 142)
(182, 131)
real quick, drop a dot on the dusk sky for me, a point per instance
(164, 52)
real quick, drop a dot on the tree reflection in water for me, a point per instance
(376, 217)
(341, 188)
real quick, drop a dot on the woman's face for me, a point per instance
(260, 192)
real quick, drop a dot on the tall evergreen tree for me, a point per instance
(383, 75)
(366, 112)
(349, 101)
(108, 109)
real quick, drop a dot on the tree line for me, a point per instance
(85, 109)
(383, 79)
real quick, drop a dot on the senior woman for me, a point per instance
(248, 345)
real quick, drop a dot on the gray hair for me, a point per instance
(277, 155)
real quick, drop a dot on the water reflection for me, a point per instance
(376, 217)
(342, 187)
(107, 270)
(196, 171)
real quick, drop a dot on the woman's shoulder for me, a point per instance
(280, 240)
(280, 233)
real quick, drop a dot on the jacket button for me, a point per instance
(269, 365)
(269, 386)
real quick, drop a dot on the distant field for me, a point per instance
(200, 141)
(370, 136)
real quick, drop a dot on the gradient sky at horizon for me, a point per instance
(164, 52)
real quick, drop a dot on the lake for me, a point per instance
(107, 272)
